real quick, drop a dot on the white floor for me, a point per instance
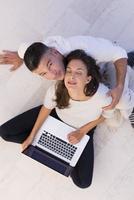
(23, 178)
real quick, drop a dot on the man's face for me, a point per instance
(51, 66)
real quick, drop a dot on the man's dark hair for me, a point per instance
(34, 54)
(62, 96)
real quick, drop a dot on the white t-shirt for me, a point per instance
(81, 112)
(100, 49)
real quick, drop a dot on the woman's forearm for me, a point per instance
(87, 127)
(43, 114)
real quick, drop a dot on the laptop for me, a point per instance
(52, 148)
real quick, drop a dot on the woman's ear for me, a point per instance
(88, 79)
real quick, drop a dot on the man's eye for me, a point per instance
(43, 74)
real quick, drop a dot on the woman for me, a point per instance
(78, 101)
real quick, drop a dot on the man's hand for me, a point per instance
(115, 93)
(12, 58)
(75, 136)
(27, 142)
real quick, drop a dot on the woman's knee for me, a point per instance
(83, 184)
(4, 136)
(2, 131)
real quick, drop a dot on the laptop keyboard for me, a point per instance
(57, 145)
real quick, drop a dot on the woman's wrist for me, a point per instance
(83, 131)
(32, 135)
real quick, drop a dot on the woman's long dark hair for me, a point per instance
(62, 96)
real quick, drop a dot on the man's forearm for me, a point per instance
(121, 69)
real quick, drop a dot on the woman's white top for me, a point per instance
(79, 113)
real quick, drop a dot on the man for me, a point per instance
(100, 49)
(47, 60)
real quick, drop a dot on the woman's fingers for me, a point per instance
(25, 144)
(73, 139)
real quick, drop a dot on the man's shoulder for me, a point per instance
(102, 90)
(59, 38)
(64, 45)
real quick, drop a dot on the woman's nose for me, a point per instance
(72, 75)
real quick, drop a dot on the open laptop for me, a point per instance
(52, 148)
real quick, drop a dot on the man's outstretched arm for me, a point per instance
(11, 58)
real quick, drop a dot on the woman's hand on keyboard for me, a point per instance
(75, 136)
(27, 142)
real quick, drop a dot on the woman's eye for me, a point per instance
(79, 73)
(68, 72)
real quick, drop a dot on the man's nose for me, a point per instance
(51, 70)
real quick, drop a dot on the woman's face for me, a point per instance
(76, 75)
